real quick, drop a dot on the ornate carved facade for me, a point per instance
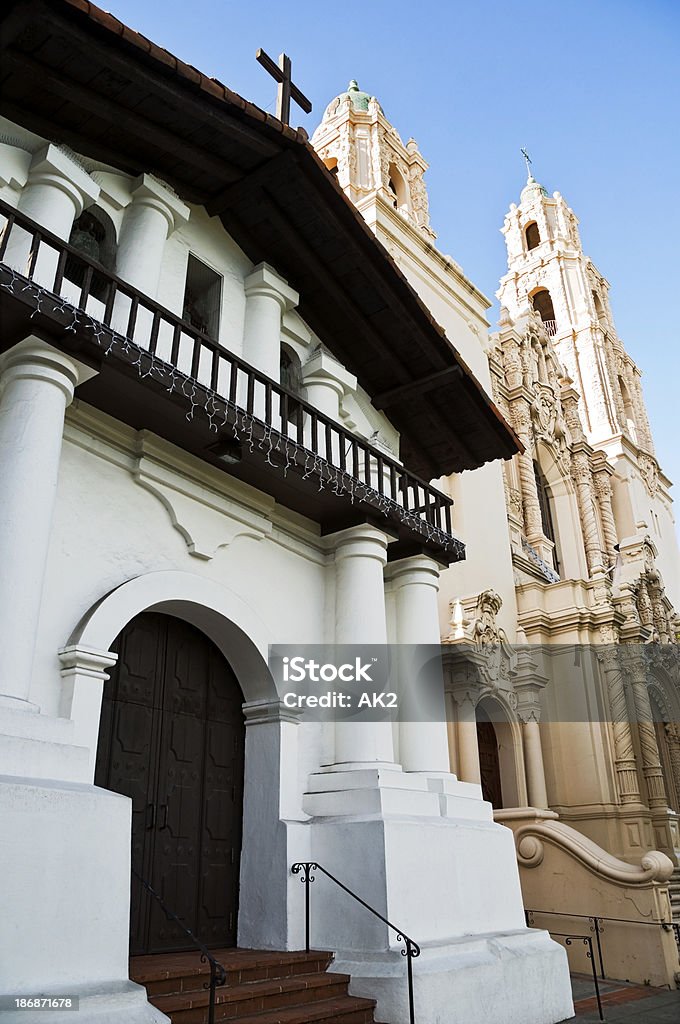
(575, 555)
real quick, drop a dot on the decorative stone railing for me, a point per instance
(530, 839)
(570, 884)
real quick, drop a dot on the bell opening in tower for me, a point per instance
(543, 305)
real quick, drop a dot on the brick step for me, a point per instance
(262, 988)
(238, 1001)
(169, 973)
(346, 1010)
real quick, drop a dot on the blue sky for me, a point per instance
(591, 88)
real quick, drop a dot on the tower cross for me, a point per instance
(287, 91)
(527, 160)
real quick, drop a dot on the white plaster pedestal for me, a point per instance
(65, 866)
(426, 853)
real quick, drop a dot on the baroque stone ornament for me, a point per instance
(649, 471)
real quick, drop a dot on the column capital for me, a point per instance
(263, 280)
(34, 359)
(418, 570)
(323, 368)
(362, 540)
(52, 166)
(149, 191)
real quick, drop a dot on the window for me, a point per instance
(332, 164)
(397, 186)
(93, 235)
(291, 379)
(532, 235)
(542, 303)
(545, 505)
(599, 308)
(202, 297)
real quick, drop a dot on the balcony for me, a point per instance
(157, 372)
(550, 327)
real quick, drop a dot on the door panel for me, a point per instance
(172, 738)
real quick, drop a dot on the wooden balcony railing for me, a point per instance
(124, 322)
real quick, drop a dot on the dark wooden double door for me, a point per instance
(172, 739)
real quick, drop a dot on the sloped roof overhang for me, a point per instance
(75, 74)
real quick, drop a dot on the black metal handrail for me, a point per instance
(167, 339)
(218, 974)
(587, 941)
(411, 949)
(598, 929)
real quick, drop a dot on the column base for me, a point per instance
(114, 1003)
(517, 977)
(425, 853)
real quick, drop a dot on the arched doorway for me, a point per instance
(172, 738)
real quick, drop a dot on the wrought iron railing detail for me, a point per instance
(598, 928)
(232, 394)
(551, 327)
(411, 948)
(588, 942)
(218, 974)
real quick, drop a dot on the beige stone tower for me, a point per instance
(549, 272)
(356, 140)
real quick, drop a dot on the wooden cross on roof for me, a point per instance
(287, 91)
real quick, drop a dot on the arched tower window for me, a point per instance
(543, 305)
(398, 188)
(93, 235)
(532, 235)
(599, 308)
(545, 504)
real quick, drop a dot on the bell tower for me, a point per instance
(549, 273)
(357, 142)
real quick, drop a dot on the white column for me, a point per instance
(153, 214)
(37, 384)
(326, 381)
(268, 297)
(423, 745)
(57, 191)
(55, 194)
(360, 556)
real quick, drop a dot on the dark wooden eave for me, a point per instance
(75, 74)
